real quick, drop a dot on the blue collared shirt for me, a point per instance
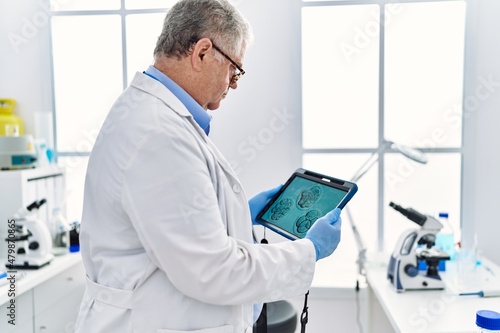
(201, 116)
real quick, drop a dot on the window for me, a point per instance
(372, 70)
(375, 71)
(96, 47)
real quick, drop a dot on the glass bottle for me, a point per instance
(445, 239)
(60, 240)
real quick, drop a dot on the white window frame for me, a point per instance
(381, 115)
(122, 12)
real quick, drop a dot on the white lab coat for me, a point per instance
(166, 233)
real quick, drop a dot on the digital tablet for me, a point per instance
(305, 197)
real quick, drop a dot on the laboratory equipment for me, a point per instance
(74, 237)
(445, 240)
(10, 124)
(409, 152)
(483, 293)
(33, 244)
(19, 187)
(413, 246)
(17, 152)
(60, 233)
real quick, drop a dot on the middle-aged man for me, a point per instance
(166, 233)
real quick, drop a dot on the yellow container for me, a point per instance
(10, 124)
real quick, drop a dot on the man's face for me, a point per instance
(222, 79)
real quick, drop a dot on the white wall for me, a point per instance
(25, 65)
(260, 121)
(482, 136)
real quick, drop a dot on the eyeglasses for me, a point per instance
(239, 72)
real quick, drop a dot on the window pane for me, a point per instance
(87, 76)
(429, 189)
(76, 168)
(142, 32)
(424, 62)
(63, 5)
(363, 206)
(340, 55)
(149, 4)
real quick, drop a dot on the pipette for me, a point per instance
(483, 293)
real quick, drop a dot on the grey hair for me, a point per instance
(190, 20)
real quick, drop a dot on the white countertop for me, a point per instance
(431, 311)
(412, 311)
(26, 279)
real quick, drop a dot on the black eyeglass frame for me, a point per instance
(236, 76)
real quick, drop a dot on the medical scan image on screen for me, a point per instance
(301, 204)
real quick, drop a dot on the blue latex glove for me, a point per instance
(260, 200)
(325, 234)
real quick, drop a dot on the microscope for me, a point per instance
(32, 240)
(413, 246)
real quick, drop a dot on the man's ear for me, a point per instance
(200, 50)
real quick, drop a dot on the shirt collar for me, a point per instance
(200, 115)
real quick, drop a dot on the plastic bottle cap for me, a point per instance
(488, 319)
(442, 214)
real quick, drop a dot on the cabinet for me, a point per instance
(48, 298)
(56, 302)
(23, 315)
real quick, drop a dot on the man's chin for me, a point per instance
(213, 106)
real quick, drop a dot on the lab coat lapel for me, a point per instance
(155, 88)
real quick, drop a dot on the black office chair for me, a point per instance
(281, 318)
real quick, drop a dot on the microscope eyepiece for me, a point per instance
(410, 213)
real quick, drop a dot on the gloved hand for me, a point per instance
(260, 200)
(325, 234)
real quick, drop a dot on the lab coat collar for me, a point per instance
(151, 86)
(199, 114)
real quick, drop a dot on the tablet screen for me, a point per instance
(300, 204)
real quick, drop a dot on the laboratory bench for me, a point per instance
(46, 299)
(428, 311)
(376, 307)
